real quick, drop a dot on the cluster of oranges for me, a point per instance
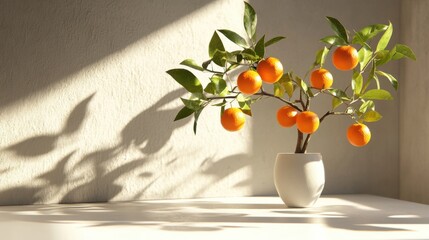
(249, 82)
(270, 70)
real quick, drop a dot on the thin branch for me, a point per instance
(300, 98)
(226, 97)
(215, 72)
(334, 113)
(307, 105)
(263, 93)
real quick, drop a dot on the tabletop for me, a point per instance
(333, 217)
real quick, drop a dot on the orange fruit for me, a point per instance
(286, 116)
(307, 122)
(345, 58)
(358, 134)
(270, 70)
(233, 119)
(321, 79)
(249, 82)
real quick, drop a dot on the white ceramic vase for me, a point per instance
(299, 178)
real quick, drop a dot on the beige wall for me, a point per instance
(414, 117)
(87, 108)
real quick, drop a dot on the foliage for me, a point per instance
(357, 101)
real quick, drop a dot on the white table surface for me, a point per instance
(334, 217)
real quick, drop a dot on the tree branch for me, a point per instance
(263, 93)
(334, 113)
(307, 139)
(298, 148)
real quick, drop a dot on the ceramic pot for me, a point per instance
(299, 178)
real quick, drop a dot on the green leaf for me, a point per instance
(250, 20)
(217, 86)
(206, 63)
(365, 105)
(384, 56)
(219, 83)
(339, 94)
(234, 37)
(247, 112)
(301, 84)
(193, 104)
(289, 88)
(377, 94)
(196, 116)
(215, 45)
(260, 47)
(183, 113)
(210, 88)
(336, 102)
(369, 32)
(338, 28)
(370, 77)
(241, 98)
(364, 57)
(310, 93)
(359, 39)
(219, 58)
(244, 103)
(391, 78)
(372, 116)
(187, 79)
(273, 40)
(245, 108)
(404, 51)
(321, 56)
(384, 40)
(250, 54)
(284, 85)
(333, 40)
(192, 64)
(279, 91)
(357, 82)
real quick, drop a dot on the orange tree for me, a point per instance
(362, 53)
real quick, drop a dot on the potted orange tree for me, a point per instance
(298, 177)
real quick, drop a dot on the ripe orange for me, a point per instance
(345, 58)
(233, 119)
(321, 79)
(286, 116)
(270, 70)
(249, 82)
(358, 134)
(307, 122)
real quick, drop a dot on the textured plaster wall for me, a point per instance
(86, 107)
(414, 117)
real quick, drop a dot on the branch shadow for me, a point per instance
(143, 131)
(43, 144)
(90, 177)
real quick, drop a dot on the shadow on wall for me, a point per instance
(49, 40)
(40, 145)
(99, 186)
